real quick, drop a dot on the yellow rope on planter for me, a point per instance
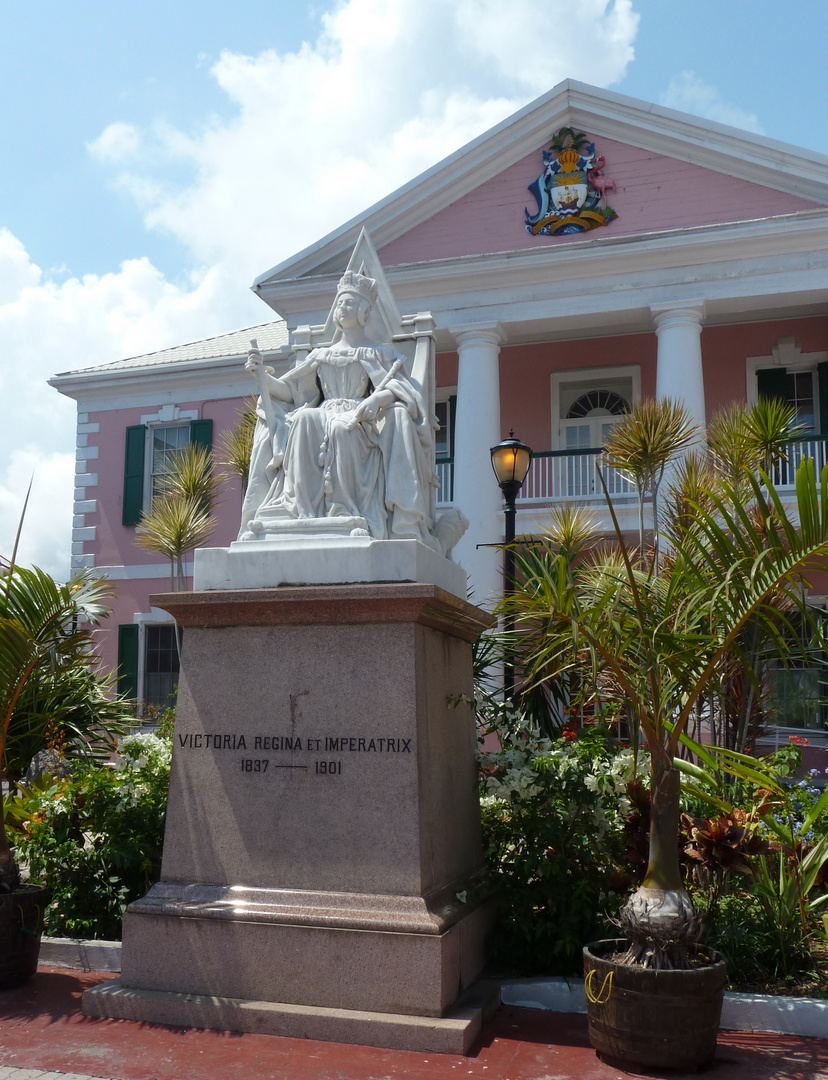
(598, 999)
(23, 926)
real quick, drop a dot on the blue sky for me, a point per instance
(156, 156)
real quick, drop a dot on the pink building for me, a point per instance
(589, 250)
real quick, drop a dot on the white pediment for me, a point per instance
(602, 113)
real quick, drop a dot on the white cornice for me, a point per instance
(191, 380)
(600, 112)
(599, 270)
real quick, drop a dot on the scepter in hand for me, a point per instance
(255, 364)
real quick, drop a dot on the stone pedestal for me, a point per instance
(322, 852)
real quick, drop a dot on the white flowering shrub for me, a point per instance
(96, 838)
(564, 822)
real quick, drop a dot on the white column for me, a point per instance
(476, 431)
(679, 366)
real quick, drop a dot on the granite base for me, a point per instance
(454, 1033)
(322, 854)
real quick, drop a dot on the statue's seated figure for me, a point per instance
(345, 435)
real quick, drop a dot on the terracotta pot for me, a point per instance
(660, 1019)
(21, 924)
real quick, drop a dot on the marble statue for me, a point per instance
(344, 442)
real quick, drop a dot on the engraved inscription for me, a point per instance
(318, 749)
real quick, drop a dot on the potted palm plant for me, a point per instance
(42, 623)
(654, 631)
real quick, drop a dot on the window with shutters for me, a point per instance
(445, 408)
(151, 448)
(161, 663)
(797, 378)
(166, 443)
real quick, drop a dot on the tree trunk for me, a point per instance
(663, 870)
(658, 919)
(9, 873)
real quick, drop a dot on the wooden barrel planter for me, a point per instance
(660, 1019)
(21, 924)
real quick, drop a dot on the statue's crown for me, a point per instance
(358, 283)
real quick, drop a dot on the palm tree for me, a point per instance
(656, 638)
(43, 625)
(180, 517)
(651, 436)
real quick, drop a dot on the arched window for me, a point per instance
(598, 403)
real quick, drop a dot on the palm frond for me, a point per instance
(175, 525)
(647, 439)
(189, 475)
(236, 445)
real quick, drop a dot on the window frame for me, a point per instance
(143, 620)
(595, 377)
(149, 454)
(789, 357)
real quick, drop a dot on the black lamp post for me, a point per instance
(510, 461)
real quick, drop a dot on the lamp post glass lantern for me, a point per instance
(510, 461)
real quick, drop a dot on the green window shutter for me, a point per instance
(201, 433)
(772, 383)
(134, 475)
(822, 382)
(128, 660)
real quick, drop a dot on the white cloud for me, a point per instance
(515, 39)
(690, 94)
(16, 271)
(47, 327)
(116, 144)
(386, 91)
(318, 135)
(47, 526)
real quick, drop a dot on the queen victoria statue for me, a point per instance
(344, 442)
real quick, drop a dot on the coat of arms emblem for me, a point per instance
(571, 190)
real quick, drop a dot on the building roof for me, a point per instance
(271, 337)
(602, 113)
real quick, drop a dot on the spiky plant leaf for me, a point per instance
(236, 445)
(175, 525)
(189, 475)
(771, 425)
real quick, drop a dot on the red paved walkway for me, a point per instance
(41, 1027)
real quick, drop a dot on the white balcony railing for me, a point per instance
(815, 447)
(559, 475)
(445, 478)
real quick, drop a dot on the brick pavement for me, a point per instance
(43, 1036)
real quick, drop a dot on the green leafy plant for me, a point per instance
(784, 852)
(180, 518)
(236, 445)
(44, 629)
(96, 839)
(654, 637)
(554, 822)
(642, 446)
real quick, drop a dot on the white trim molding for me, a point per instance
(786, 354)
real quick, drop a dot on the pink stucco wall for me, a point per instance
(114, 544)
(131, 597)
(654, 193)
(525, 370)
(725, 349)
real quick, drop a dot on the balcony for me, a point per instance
(815, 446)
(562, 475)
